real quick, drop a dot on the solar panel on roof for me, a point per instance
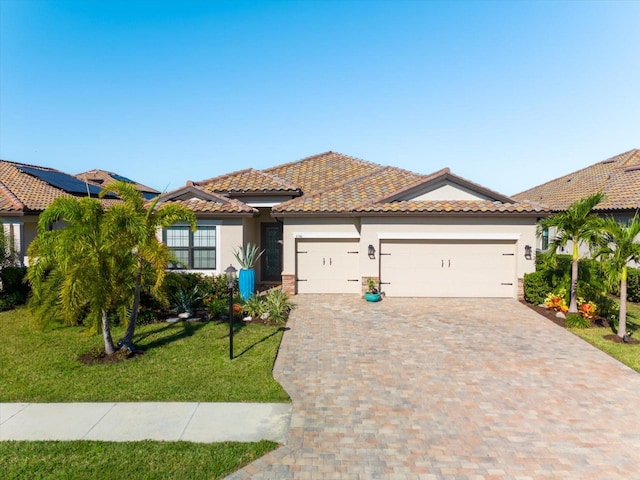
(149, 195)
(63, 181)
(120, 177)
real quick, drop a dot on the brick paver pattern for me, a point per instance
(448, 389)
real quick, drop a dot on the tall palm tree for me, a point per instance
(620, 245)
(78, 271)
(576, 225)
(137, 222)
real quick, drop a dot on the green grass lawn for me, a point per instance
(626, 353)
(182, 362)
(88, 460)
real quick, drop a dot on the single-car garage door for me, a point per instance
(448, 268)
(327, 266)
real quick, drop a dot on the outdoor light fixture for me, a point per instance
(372, 252)
(231, 280)
(527, 252)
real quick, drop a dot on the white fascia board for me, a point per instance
(448, 236)
(326, 235)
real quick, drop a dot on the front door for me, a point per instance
(271, 260)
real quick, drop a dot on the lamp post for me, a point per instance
(231, 278)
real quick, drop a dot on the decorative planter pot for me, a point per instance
(372, 297)
(246, 282)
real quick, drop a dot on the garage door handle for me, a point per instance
(323, 261)
(503, 283)
(442, 263)
(449, 263)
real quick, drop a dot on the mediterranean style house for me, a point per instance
(617, 177)
(329, 222)
(26, 190)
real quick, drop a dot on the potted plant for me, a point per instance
(247, 256)
(372, 294)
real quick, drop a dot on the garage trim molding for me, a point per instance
(329, 235)
(448, 236)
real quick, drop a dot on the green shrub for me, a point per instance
(278, 305)
(575, 320)
(255, 305)
(535, 287)
(216, 307)
(215, 286)
(15, 290)
(633, 285)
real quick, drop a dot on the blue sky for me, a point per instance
(506, 94)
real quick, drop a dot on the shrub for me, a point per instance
(556, 301)
(535, 287)
(575, 320)
(255, 305)
(214, 286)
(278, 305)
(15, 290)
(633, 285)
(216, 307)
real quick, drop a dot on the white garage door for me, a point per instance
(447, 268)
(328, 266)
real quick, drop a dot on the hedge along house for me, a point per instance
(329, 222)
(617, 177)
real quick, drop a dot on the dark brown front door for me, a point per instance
(271, 260)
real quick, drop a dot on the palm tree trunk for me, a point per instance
(622, 320)
(573, 303)
(109, 348)
(127, 340)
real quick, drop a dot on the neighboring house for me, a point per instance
(102, 177)
(329, 222)
(26, 190)
(617, 177)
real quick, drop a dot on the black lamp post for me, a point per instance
(231, 279)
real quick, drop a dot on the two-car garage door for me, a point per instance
(411, 268)
(448, 268)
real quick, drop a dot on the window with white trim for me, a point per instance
(193, 250)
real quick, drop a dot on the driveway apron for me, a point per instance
(448, 389)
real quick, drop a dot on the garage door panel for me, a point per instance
(448, 268)
(327, 266)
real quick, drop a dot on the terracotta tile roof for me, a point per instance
(248, 181)
(322, 172)
(196, 199)
(24, 193)
(199, 205)
(332, 183)
(618, 177)
(345, 196)
(452, 206)
(102, 177)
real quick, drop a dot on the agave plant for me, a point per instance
(248, 255)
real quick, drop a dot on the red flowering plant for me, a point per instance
(587, 309)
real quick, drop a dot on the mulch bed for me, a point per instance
(597, 322)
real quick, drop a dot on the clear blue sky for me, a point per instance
(506, 94)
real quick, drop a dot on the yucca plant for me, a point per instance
(248, 255)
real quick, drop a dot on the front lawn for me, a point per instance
(183, 362)
(113, 460)
(626, 353)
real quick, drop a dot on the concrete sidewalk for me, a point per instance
(129, 422)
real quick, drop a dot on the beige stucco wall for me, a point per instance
(314, 228)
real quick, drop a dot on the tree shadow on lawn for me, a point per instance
(188, 329)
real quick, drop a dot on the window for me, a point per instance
(194, 250)
(545, 239)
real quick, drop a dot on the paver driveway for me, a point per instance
(411, 388)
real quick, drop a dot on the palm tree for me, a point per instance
(137, 222)
(577, 225)
(620, 246)
(78, 271)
